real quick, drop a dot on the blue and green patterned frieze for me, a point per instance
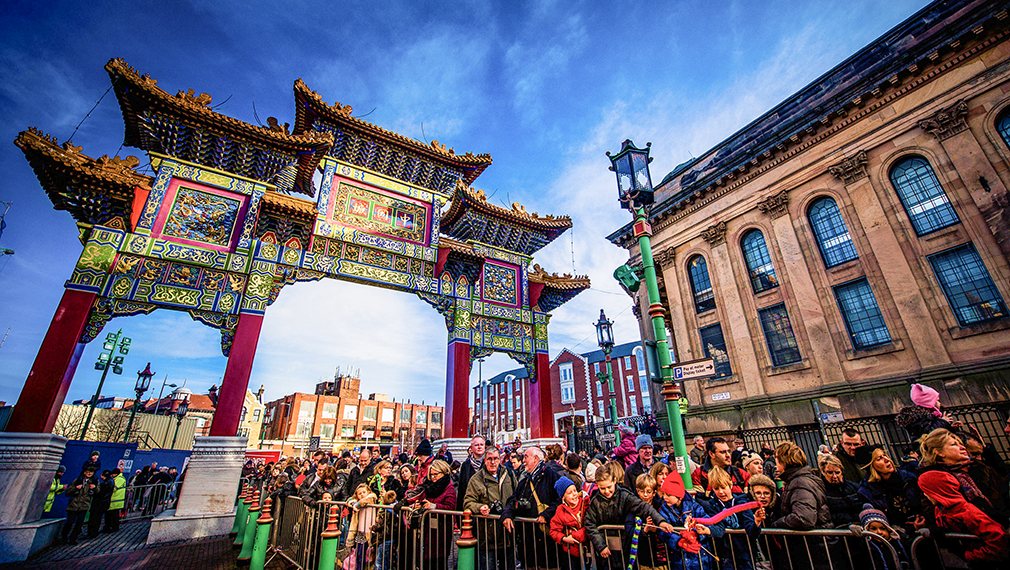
(105, 309)
(96, 260)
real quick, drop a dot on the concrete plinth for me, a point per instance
(207, 500)
(28, 462)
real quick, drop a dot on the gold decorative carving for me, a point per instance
(201, 100)
(850, 169)
(715, 234)
(563, 281)
(947, 122)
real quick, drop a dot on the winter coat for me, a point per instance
(615, 510)
(898, 497)
(378, 486)
(768, 468)
(103, 495)
(918, 421)
(993, 501)
(542, 481)
(677, 515)
(439, 543)
(698, 455)
(851, 470)
(316, 491)
(80, 499)
(626, 452)
(700, 477)
(844, 503)
(570, 521)
(485, 489)
(954, 514)
(466, 471)
(358, 476)
(733, 548)
(803, 504)
(632, 473)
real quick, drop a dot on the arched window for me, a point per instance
(759, 263)
(701, 285)
(832, 235)
(922, 196)
(1003, 126)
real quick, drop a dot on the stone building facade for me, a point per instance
(852, 240)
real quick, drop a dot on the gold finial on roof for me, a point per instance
(274, 125)
(202, 99)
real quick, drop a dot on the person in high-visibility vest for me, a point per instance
(55, 488)
(117, 503)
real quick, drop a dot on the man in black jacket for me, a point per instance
(360, 472)
(100, 503)
(472, 464)
(535, 497)
(848, 449)
(643, 444)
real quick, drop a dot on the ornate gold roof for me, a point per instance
(298, 206)
(563, 282)
(472, 164)
(475, 198)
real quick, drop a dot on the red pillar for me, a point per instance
(48, 382)
(457, 389)
(541, 408)
(231, 397)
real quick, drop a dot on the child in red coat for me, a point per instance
(566, 525)
(955, 514)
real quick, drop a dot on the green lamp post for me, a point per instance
(143, 383)
(605, 338)
(635, 193)
(106, 361)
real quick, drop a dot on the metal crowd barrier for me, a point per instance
(928, 554)
(146, 501)
(379, 538)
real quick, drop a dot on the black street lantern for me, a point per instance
(180, 413)
(144, 379)
(605, 332)
(634, 183)
(183, 409)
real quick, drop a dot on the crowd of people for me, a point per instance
(96, 496)
(523, 498)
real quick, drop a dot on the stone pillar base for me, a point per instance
(28, 462)
(207, 500)
(170, 527)
(212, 476)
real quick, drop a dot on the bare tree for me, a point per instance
(70, 421)
(109, 426)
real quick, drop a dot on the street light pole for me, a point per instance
(106, 361)
(180, 415)
(605, 338)
(143, 382)
(635, 192)
(157, 405)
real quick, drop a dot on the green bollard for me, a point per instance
(238, 511)
(467, 545)
(245, 556)
(328, 551)
(242, 515)
(262, 542)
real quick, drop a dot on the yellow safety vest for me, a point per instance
(54, 489)
(118, 493)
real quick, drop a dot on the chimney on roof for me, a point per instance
(259, 394)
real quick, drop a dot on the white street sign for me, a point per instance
(720, 396)
(695, 369)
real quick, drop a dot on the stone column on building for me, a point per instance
(950, 126)
(804, 293)
(735, 327)
(666, 260)
(898, 276)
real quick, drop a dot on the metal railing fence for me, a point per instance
(147, 501)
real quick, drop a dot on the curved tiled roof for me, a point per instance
(311, 105)
(469, 197)
(93, 190)
(204, 133)
(564, 282)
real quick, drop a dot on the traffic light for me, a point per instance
(628, 278)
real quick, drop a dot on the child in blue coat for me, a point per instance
(690, 549)
(733, 550)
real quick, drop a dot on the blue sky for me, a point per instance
(545, 87)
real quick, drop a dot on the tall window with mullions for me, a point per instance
(1003, 126)
(922, 196)
(862, 316)
(714, 346)
(832, 235)
(759, 262)
(779, 335)
(969, 289)
(701, 285)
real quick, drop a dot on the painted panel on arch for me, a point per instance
(500, 283)
(378, 212)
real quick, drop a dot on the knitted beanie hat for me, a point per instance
(591, 472)
(870, 514)
(625, 429)
(752, 458)
(562, 485)
(423, 448)
(643, 440)
(926, 397)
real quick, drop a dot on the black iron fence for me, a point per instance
(988, 419)
(603, 434)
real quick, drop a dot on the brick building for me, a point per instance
(577, 397)
(852, 240)
(343, 420)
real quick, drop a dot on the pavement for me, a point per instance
(127, 550)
